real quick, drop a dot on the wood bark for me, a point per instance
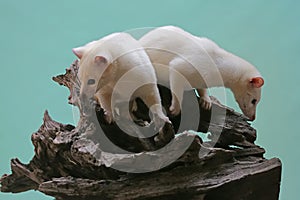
(76, 163)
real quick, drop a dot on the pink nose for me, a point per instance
(252, 118)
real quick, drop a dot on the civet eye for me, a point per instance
(91, 82)
(254, 101)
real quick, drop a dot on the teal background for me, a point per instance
(37, 37)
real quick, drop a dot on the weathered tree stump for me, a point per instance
(77, 162)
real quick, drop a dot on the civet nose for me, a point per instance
(252, 118)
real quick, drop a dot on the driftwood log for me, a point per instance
(79, 163)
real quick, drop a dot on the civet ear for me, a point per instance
(100, 60)
(257, 82)
(78, 51)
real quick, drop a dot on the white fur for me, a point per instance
(179, 56)
(119, 65)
